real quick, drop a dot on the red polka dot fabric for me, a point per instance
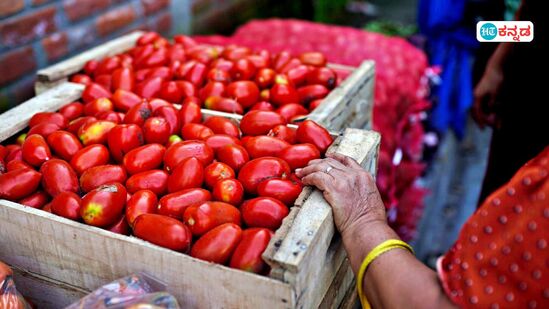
(501, 258)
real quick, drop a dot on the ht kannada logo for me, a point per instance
(488, 31)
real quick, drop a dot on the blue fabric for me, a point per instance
(452, 43)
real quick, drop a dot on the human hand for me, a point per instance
(486, 97)
(348, 188)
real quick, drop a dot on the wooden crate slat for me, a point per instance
(72, 65)
(17, 118)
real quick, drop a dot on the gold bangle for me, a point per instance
(377, 251)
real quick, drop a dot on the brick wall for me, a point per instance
(38, 33)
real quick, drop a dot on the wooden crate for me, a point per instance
(57, 260)
(347, 106)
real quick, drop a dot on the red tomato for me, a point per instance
(163, 231)
(138, 114)
(299, 155)
(47, 208)
(197, 74)
(233, 155)
(218, 75)
(156, 130)
(103, 206)
(292, 110)
(229, 191)
(104, 80)
(141, 202)
(90, 67)
(111, 116)
(260, 122)
(36, 200)
(187, 89)
(310, 93)
(217, 141)
(314, 104)
(184, 40)
(144, 158)
(211, 89)
(313, 58)
(149, 88)
(322, 76)
(265, 146)
(14, 152)
(90, 156)
(195, 131)
(174, 204)
(244, 92)
(286, 191)
(284, 133)
(243, 69)
(75, 125)
(264, 212)
(123, 78)
(310, 132)
(261, 60)
(58, 176)
(190, 113)
(163, 72)
(298, 75)
(260, 169)
(158, 57)
(201, 218)
(169, 113)
(17, 184)
(217, 171)
(156, 103)
(48, 117)
(186, 149)
(95, 91)
(147, 38)
(35, 150)
(64, 144)
(95, 132)
(281, 59)
(171, 92)
(81, 79)
(123, 138)
(154, 180)
(222, 125)
(247, 255)
(223, 105)
(107, 65)
(120, 227)
(265, 78)
(72, 111)
(101, 175)
(44, 129)
(234, 53)
(290, 65)
(17, 164)
(67, 205)
(262, 106)
(188, 174)
(218, 244)
(282, 94)
(123, 100)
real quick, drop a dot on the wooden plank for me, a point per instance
(88, 257)
(309, 238)
(41, 87)
(351, 103)
(72, 65)
(17, 118)
(344, 281)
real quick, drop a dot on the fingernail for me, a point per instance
(298, 170)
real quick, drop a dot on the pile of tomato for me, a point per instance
(230, 79)
(140, 165)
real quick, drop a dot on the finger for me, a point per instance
(477, 112)
(320, 180)
(345, 160)
(313, 168)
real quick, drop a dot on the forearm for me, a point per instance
(500, 56)
(396, 279)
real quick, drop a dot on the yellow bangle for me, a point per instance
(377, 251)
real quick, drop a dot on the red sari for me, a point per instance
(501, 258)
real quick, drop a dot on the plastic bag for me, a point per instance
(9, 297)
(134, 291)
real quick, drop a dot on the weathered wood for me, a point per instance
(88, 257)
(344, 281)
(72, 65)
(350, 104)
(41, 87)
(17, 118)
